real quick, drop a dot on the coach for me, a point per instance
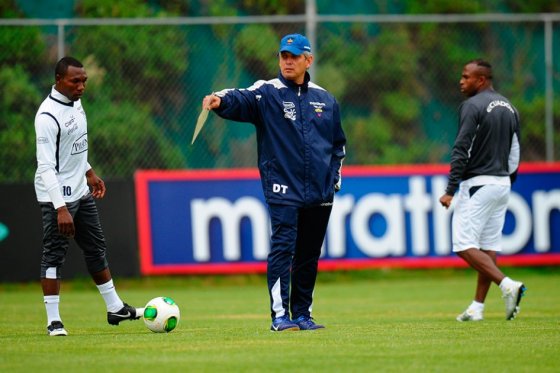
(300, 144)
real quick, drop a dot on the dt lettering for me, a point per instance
(279, 188)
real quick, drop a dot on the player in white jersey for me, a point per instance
(62, 184)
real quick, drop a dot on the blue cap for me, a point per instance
(296, 44)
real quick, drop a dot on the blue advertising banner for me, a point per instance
(216, 221)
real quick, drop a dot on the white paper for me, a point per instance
(200, 123)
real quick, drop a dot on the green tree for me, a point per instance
(21, 60)
(135, 92)
(256, 46)
(132, 55)
(19, 100)
(21, 45)
(124, 138)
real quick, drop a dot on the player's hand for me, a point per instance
(65, 222)
(445, 200)
(211, 102)
(97, 185)
(338, 185)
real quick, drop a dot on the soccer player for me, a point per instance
(300, 146)
(62, 184)
(484, 163)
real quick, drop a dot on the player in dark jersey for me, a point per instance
(484, 163)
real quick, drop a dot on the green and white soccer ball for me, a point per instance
(161, 315)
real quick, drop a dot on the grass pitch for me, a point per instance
(377, 321)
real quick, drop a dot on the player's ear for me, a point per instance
(481, 80)
(309, 60)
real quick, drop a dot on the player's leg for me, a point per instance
(488, 272)
(55, 247)
(475, 311)
(484, 282)
(491, 237)
(90, 238)
(312, 226)
(482, 263)
(282, 245)
(472, 210)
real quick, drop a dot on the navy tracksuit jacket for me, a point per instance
(301, 145)
(299, 138)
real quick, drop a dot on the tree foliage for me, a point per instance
(397, 84)
(19, 100)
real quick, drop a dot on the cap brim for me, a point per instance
(293, 50)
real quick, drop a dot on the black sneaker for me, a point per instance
(56, 329)
(125, 313)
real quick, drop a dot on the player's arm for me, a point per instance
(514, 153)
(463, 143)
(460, 153)
(47, 130)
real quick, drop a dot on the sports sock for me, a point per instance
(506, 284)
(110, 296)
(477, 306)
(51, 305)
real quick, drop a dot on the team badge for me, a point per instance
(289, 110)
(318, 107)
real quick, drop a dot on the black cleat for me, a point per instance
(125, 313)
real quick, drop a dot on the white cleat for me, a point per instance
(512, 296)
(470, 315)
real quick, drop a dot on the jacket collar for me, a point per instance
(292, 84)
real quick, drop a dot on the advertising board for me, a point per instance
(216, 221)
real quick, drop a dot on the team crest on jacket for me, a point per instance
(318, 106)
(289, 110)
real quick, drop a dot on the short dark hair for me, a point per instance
(485, 68)
(62, 66)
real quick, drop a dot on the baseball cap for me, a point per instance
(296, 44)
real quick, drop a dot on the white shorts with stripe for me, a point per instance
(479, 215)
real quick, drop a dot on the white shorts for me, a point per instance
(479, 216)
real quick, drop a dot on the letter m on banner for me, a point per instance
(229, 216)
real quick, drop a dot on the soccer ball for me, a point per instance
(161, 315)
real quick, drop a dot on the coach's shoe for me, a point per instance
(283, 323)
(307, 323)
(512, 297)
(470, 315)
(56, 329)
(125, 313)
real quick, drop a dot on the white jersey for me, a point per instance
(62, 149)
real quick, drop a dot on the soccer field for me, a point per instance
(386, 321)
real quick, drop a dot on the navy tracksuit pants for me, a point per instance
(296, 241)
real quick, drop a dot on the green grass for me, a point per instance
(387, 321)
